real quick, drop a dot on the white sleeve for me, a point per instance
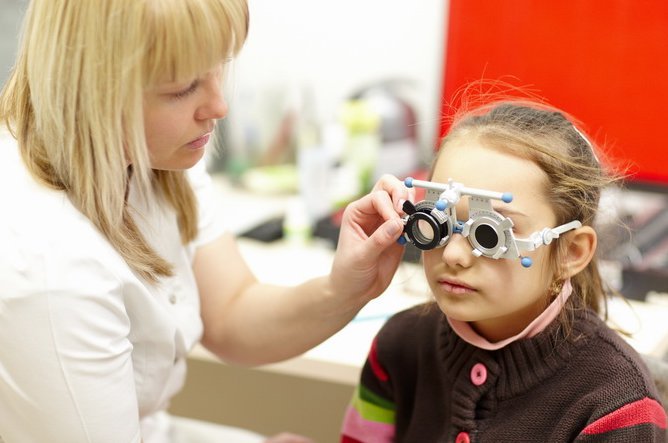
(66, 370)
(210, 223)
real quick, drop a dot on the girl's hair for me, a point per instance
(550, 138)
(74, 102)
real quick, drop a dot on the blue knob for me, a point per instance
(408, 182)
(507, 197)
(526, 262)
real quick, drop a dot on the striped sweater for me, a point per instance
(421, 383)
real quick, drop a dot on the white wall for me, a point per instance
(11, 13)
(334, 48)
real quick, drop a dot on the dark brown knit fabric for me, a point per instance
(548, 388)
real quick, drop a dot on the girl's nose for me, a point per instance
(214, 106)
(458, 252)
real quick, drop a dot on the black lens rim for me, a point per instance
(415, 233)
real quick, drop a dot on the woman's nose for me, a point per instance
(458, 252)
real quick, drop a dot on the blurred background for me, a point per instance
(325, 97)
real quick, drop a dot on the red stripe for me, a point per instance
(346, 439)
(645, 411)
(375, 366)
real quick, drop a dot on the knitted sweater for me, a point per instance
(421, 383)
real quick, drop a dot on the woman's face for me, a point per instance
(180, 117)
(499, 297)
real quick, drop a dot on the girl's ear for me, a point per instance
(580, 249)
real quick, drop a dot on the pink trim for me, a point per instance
(356, 427)
(645, 411)
(466, 332)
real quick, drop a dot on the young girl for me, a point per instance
(513, 349)
(114, 262)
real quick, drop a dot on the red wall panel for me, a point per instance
(603, 61)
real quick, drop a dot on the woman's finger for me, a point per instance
(396, 189)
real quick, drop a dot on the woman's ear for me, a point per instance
(580, 249)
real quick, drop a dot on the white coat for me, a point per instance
(88, 350)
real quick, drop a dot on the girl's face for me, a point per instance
(498, 297)
(180, 117)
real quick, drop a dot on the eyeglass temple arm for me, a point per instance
(545, 236)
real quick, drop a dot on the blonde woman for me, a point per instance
(113, 261)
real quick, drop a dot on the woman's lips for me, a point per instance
(455, 287)
(199, 142)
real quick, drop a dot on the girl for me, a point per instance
(114, 262)
(513, 348)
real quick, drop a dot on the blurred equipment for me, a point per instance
(634, 234)
(398, 153)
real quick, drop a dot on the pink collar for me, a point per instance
(466, 332)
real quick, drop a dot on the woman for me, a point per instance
(114, 262)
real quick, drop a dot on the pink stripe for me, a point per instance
(356, 427)
(645, 411)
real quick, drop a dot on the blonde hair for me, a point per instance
(575, 177)
(74, 102)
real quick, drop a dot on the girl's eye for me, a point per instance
(186, 92)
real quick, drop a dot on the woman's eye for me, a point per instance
(185, 92)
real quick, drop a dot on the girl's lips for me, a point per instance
(455, 287)
(199, 142)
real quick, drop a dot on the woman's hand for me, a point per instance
(367, 254)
